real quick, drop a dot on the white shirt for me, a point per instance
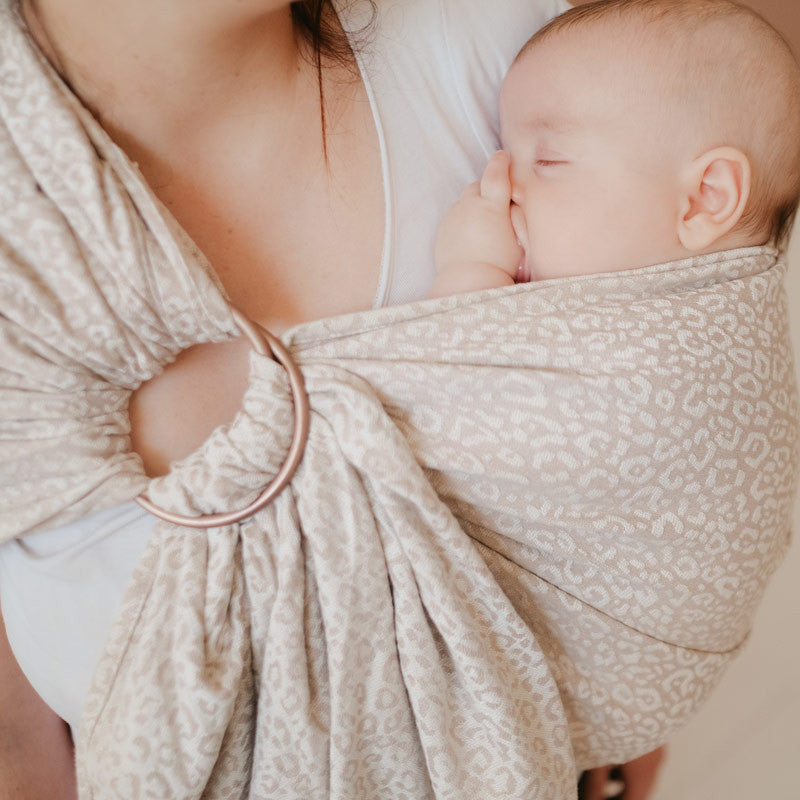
(432, 71)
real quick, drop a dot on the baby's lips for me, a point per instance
(523, 273)
(518, 224)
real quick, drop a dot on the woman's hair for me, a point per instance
(315, 22)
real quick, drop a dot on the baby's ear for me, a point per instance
(715, 190)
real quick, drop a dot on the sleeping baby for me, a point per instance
(634, 132)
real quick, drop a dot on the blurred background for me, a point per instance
(745, 743)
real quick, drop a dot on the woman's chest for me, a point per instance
(292, 237)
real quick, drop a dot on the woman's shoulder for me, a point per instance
(483, 39)
(461, 48)
(464, 47)
(502, 26)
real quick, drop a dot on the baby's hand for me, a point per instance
(477, 230)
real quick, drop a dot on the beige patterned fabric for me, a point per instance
(529, 531)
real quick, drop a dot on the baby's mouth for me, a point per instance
(523, 272)
(523, 268)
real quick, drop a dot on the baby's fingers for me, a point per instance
(496, 180)
(473, 190)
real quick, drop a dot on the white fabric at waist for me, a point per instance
(59, 594)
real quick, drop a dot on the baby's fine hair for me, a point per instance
(723, 58)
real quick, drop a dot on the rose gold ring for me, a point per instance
(265, 344)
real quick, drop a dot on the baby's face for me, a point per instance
(594, 180)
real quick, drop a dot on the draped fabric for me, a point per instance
(529, 531)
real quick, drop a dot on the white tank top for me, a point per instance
(432, 70)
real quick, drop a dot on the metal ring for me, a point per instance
(265, 344)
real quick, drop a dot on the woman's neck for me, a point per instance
(156, 73)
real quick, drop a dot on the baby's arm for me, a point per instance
(476, 247)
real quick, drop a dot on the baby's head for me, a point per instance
(645, 131)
